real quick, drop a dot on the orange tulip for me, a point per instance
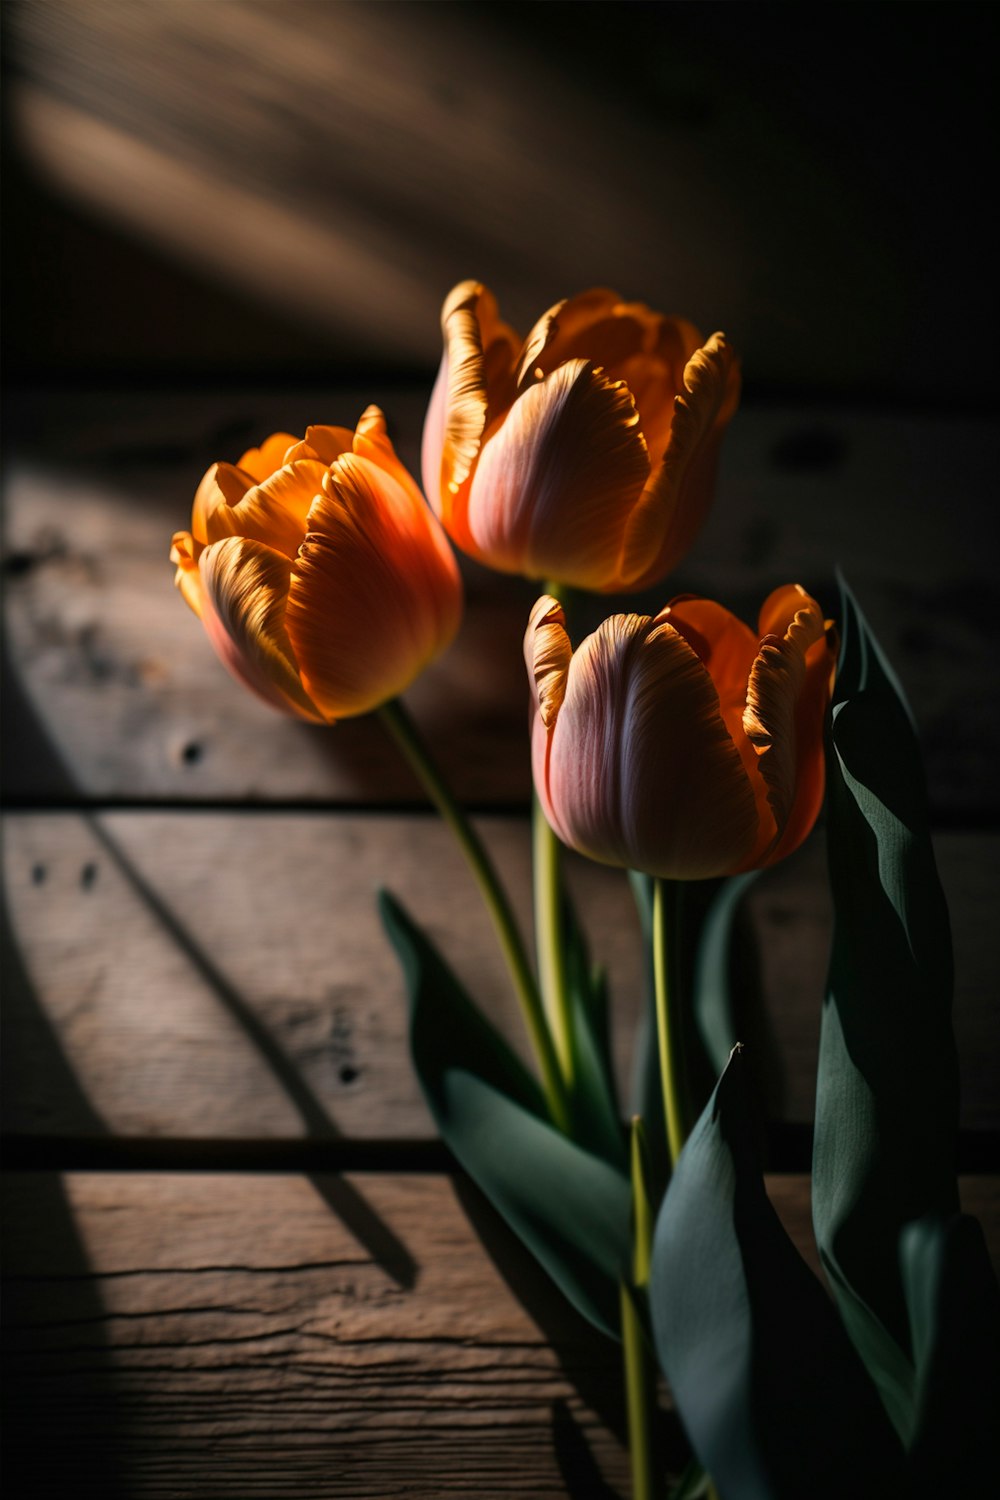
(587, 455)
(682, 745)
(322, 578)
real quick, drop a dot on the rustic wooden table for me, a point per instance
(238, 1263)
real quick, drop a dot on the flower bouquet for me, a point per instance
(692, 752)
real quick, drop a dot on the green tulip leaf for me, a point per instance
(887, 1085)
(597, 1121)
(773, 1395)
(954, 1308)
(713, 997)
(569, 1207)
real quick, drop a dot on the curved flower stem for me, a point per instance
(402, 729)
(640, 1376)
(666, 955)
(549, 938)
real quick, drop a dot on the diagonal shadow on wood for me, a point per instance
(64, 1429)
(591, 1362)
(368, 1227)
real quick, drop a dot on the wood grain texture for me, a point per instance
(127, 691)
(383, 152)
(225, 975)
(220, 1335)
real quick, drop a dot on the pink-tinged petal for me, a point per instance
(375, 592)
(432, 445)
(273, 512)
(641, 770)
(673, 508)
(547, 654)
(776, 684)
(184, 552)
(262, 461)
(223, 485)
(323, 443)
(245, 593)
(555, 484)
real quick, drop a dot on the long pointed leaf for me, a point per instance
(773, 1396)
(571, 1208)
(887, 1100)
(954, 1307)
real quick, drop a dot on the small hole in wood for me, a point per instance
(38, 874)
(88, 875)
(348, 1074)
(192, 753)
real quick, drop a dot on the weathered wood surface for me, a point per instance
(226, 976)
(366, 1335)
(382, 152)
(135, 706)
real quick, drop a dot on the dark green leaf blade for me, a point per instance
(773, 1396)
(954, 1306)
(887, 1085)
(597, 1121)
(569, 1207)
(713, 999)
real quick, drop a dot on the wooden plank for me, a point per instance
(358, 1336)
(129, 694)
(215, 1336)
(207, 975)
(382, 152)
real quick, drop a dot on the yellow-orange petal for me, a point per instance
(222, 485)
(184, 552)
(641, 769)
(246, 591)
(275, 511)
(324, 443)
(776, 682)
(262, 461)
(810, 725)
(560, 333)
(547, 654)
(465, 393)
(555, 484)
(676, 500)
(375, 593)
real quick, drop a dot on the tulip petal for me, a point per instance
(641, 770)
(222, 485)
(774, 691)
(184, 552)
(375, 592)
(245, 592)
(323, 443)
(560, 333)
(262, 461)
(273, 512)
(554, 486)
(728, 648)
(547, 654)
(673, 507)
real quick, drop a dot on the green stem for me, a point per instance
(640, 1376)
(666, 946)
(637, 1399)
(402, 729)
(549, 942)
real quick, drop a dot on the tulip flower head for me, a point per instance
(682, 745)
(322, 578)
(585, 455)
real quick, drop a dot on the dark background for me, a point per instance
(285, 191)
